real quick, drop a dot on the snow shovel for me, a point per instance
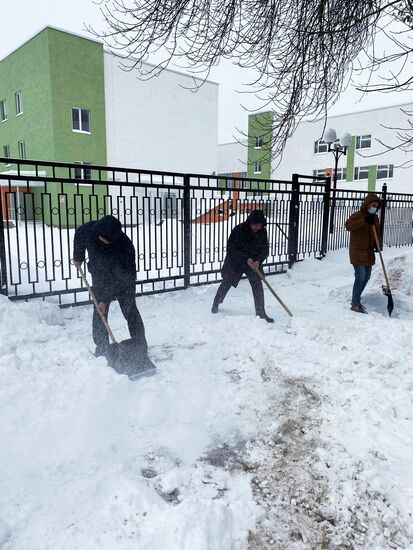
(127, 356)
(261, 276)
(386, 287)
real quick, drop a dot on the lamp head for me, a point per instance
(330, 136)
(345, 140)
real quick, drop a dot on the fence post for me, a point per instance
(3, 268)
(326, 213)
(293, 222)
(383, 213)
(187, 231)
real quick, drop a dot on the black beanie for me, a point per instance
(257, 216)
(109, 228)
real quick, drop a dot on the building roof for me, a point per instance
(44, 29)
(106, 50)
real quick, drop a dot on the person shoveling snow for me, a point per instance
(111, 262)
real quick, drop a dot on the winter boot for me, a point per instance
(265, 317)
(358, 308)
(101, 350)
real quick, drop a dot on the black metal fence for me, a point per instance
(179, 223)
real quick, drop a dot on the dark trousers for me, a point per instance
(361, 276)
(256, 287)
(130, 312)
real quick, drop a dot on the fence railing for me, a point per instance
(178, 223)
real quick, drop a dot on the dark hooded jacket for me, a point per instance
(243, 243)
(362, 243)
(113, 267)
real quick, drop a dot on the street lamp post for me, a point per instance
(338, 150)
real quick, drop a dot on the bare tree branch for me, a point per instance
(303, 51)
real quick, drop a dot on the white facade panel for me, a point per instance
(232, 157)
(160, 124)
(299, 156)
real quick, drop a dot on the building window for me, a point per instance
(19, 103)
(83, 173)
(6, 153)
(361, 172)
(341, 173)
(257, 167)
(3, 110)
(81, 120)
(258, 142)
(363, 142)
(22, 150)
(384, 171)
(320, 146)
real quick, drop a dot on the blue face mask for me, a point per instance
(371, 210)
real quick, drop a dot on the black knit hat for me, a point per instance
(109, 228)
(257, 216)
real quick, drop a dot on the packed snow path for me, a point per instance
(296, 435)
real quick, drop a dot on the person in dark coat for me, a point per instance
(362, 246)
(247, 249)
(111, 262)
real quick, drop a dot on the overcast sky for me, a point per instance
(21, 19)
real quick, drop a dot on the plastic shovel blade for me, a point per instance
(127, 357)
(390, 303)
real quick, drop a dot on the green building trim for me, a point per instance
(351, 152)
(260, 125)
(371, 186)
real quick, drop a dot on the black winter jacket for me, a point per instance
(113, 267)
(243, 243)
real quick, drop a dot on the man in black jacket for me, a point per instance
(246, 250)
(113, 269)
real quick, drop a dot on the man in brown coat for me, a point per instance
(362, 246)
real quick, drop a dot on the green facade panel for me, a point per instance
(27, 70)
(260, 124)
(350, 160)
(57, 71)
(77, 80)
(372, 177)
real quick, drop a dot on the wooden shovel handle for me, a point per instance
(92, 295)
(381, 257)
(261, 276)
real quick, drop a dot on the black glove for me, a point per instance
(370, 218)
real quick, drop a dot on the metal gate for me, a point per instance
(178, 223)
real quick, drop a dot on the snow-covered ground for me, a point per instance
(297, 435)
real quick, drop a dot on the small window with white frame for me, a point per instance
(363, 142)
(82, 173)
(258, 142)
(257, 167)
(385, 171)
(3, 110)
(361, 172)
(319, 173)
(341, 173)
(320, 146)
(22, 149)
(19, 103)
(6, 153)
(80, 120)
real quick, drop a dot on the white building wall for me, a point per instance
(232, 157)
(160, 124)
(299, 156)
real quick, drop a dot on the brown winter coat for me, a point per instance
(362, 243)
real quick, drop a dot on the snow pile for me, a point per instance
(297, 434)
